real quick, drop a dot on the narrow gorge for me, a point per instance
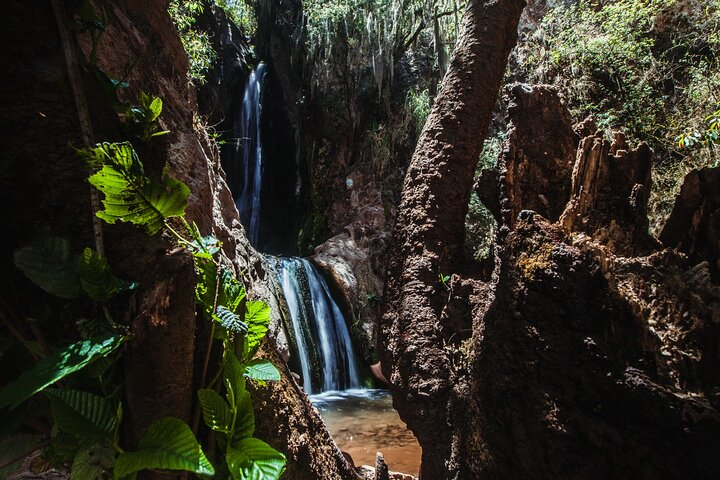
(350, 239)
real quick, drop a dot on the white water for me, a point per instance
(248, 151)
(319, 326)
(311, 305)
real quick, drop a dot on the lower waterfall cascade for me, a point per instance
(319, 328)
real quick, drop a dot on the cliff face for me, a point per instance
(588, 353)
(45, 183)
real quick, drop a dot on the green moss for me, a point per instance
(535, 260)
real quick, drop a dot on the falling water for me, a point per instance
(319, 328)
(248, 154)
(325, 352)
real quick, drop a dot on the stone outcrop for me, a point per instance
(589, 366)
(610, 191)
(592, 352)
(538, 153)
(694, 224)
(353, 259)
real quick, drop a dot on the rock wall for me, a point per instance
(45, 182)
(590, 349)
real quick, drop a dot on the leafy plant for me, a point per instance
(196, 43)
(57, 366)
(96, 279)
(418, 102)
(168, 444)
(233, 419)
(85, 416)
(130, 196)
(241, 325)
(93, 22)
(143, 118)
(709, 137)
(648, 67)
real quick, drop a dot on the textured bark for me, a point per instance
(430, 229)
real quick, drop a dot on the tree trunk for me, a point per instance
(430, 230)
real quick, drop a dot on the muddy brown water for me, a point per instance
(363, 422)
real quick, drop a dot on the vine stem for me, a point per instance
(206, 362)
(176, 233)
(73, 69)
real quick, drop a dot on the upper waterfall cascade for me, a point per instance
(249, 155)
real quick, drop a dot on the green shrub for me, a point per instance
(647, 67)
(196, 43)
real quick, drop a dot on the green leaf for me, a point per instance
(62, 449)
(233, 377)
(160, 133)
(230, 321)
(216, 411)
(97, 280)
(93, 462)
(208, 244)
(244, 417)
(258, 319)
(154, 109)
(11, 448)
(83, 414)
(253, 459)
(262, 370)
(169, 444)
(50, 265)
(57, 366)
(230, 294)
(132, 197)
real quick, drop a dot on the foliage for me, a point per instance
(649, 67)
(708, 137)
(56, 367)
(86, 409)
(253, 459)
(196, 43)
(96, 279)
(233, 419)
(479, 222)
(418, 102)
(374, 32)
(86, 416)
(241, 13)
(50, 264)
(143, 118)
(168, 444)
(91, 21)
(130, 196)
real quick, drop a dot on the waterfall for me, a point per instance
(319, 328)
(248, 155)
(319, 331)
